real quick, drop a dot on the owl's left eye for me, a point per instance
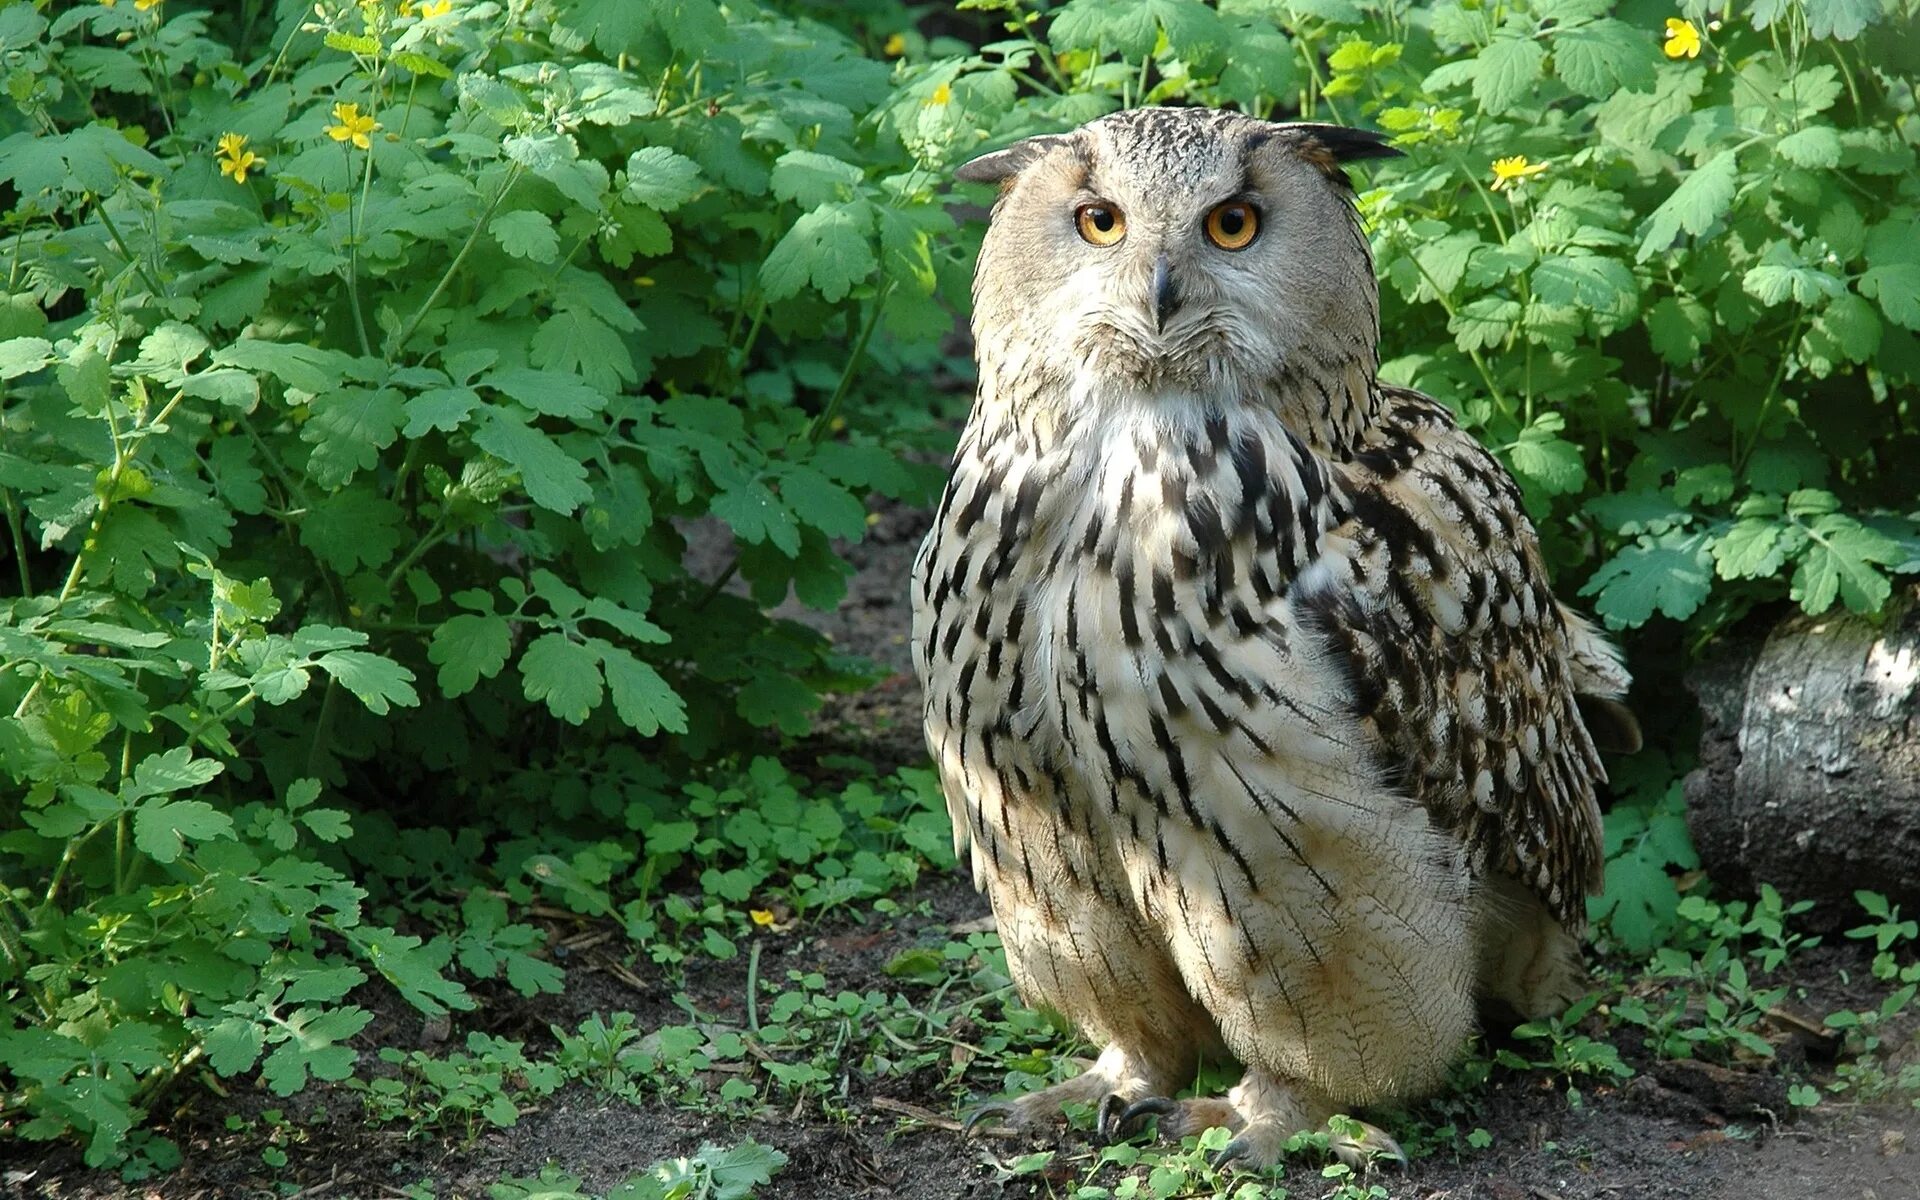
(1233, 225)
(1100, 224)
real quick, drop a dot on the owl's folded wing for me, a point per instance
(1461, 658)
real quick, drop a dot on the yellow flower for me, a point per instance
(760, 916)
(429, 9)
(896, 45)
(352, 127)
(1683, 40)
(941, 95)
(1509, 171)
(146, 5)
(235, 159)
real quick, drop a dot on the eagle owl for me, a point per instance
(1254, 713)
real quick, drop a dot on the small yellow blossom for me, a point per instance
(235, 159)
(436, 8)
(146, 5)
(352, 126)
(1509, 171)
(941, 95)
(761, 916)
(1683, 40)
(896, 45)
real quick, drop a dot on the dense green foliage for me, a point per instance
(365, 366)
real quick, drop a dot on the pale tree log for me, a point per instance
(1809, 775)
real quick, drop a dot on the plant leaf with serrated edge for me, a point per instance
(562, 673)
(469, 647)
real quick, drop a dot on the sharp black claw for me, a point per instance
(1233, 1151)
(1150, 1106)
(995, 1109)
(1108, 1124)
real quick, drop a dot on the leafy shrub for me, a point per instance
(365, 366)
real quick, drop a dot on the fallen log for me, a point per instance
(1809, 775)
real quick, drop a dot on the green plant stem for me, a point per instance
(426, 306)
(434, 536)
(824, 421)
(19, 533)
(753, 985)
(1773, 389)
(16, 954)
(821, 423)
(113, 231)
(193, 735)
(322, 728)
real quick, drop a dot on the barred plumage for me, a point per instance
(1255, 715)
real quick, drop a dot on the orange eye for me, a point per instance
(1100, 224)
(1234, 225)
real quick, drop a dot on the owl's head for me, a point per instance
(1177, 249)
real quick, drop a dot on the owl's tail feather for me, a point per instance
(1600, 679)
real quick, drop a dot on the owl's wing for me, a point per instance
(1461, 658)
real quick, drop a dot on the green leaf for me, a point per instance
(444, 408)
(1814, 146)
(1702, 199)
(1604, 57)
(554, 479)
(811, 179)
(552, 393)
(582, 342)
(1670, 573)
(1840, 561)
(823, 504)
(233, 1045)
(1753, 548)
(378, 681)
(564, 674)
(828, 248)
(641, 697)
(1781, 275)
(1586, 281)
(352, 528)
(526, 234)
(175, 770)
(1893, 274)
(757, 515)
(661, 179)
(469, 647)
(162, 831)
(1547, 459)
(23, 356)
(328, 824)
(348, 427)
(1506, 72)
(1678, 326)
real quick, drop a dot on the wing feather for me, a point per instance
(1461, 658)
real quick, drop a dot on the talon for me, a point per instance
(1110, 1122)
(1367, 1151)
(1235, 1150)
(1150, 1106)
(997, 1109)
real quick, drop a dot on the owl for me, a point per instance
(1255, 716)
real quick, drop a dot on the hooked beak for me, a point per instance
(1166, 296)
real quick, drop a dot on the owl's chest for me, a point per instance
(1098, 605)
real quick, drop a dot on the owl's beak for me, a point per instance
(1166, 296)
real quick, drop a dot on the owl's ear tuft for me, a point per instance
(1002, 165)
(1345, 143)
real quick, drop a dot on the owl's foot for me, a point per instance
(1261, 1113)
(1115, 1080)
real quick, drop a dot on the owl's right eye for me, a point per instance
(1100, 224)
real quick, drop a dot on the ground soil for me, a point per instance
(1673, 1131)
